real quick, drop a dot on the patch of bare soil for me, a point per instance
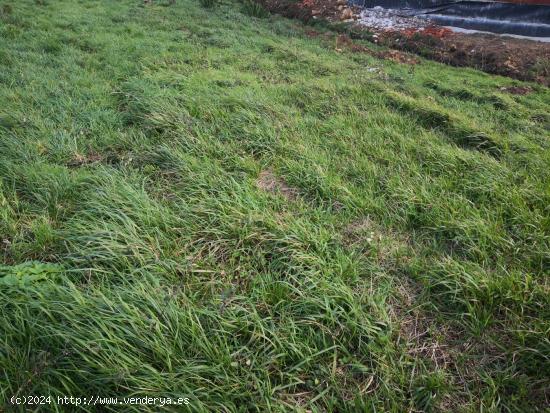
(517, 58)
(417, 331)
(344, 42)
(517, 90)
(80, 160)
(440, 344)
(399, 57)
(269, 182)
(425, 338)
(386, 247)
(306, 10)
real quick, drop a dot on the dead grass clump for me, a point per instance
(80, 160)
(269, 182)
(387, 247)
(399, 57)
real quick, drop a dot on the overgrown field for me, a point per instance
(195, 202)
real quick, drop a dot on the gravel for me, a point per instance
(389, 19)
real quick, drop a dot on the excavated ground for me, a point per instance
(518, 58)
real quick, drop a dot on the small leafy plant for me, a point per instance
(28, 273)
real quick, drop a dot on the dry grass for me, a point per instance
(269, 182)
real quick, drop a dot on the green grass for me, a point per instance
(199, 203)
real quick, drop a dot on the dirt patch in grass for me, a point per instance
(386, 247)
(422, 335)
(343, 41)
(447, 347)
(431, 341)
(417, 331)
(333, 10)
(437, 344)
(269, 182)
(288, 8)
(81, 160)
(399, 57)
(517, 90)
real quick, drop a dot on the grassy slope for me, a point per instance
(402, 265)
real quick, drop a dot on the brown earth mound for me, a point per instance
(517, 58)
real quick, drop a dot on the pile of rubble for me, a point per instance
(377, 20)
(380, 19)
(337, 10)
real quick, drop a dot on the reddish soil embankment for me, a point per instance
(517, 58)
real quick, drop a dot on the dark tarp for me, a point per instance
(521, 19)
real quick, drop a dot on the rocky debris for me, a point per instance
(332, 10)
(380, 19)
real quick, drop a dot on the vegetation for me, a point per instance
(254, 9)
(207, 3)
(199, 203)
